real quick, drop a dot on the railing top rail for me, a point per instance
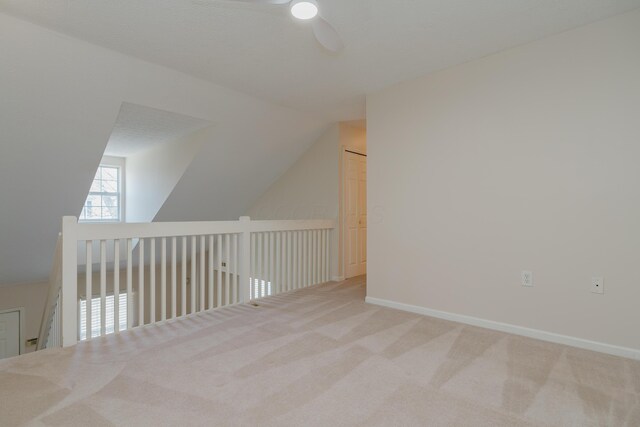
(88, 231)
(292, 225)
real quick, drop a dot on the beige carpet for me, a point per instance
(320, 356)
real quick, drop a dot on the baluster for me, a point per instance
(289, 260)
(193, 281)
(305, 255)
(163, 279)
(201, 279)
(210, 272)
(316, 257)
(323, 243)
(267, 263)
(277, 285)
(254, 263)
(260, 273)
(285, 261)
(152, 281)
(88, 288)
(116, 286)
(227, 277)
(305, 258)
(219, 266)
(309, 257)
(312, 260)
(129, 283)
(103, 287)
(312, 255)
(269, 254)
(319, 256)
(183, 274)
(174, 269)
(327, 251)
(296, 260)
(316, 252)
(236, 270)
(141, 282)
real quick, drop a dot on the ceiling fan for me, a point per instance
(308, 10)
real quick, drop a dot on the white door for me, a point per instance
(9, 334)
(355, 214)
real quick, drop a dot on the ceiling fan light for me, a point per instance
(304, 9)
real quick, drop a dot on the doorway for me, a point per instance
(11, 322)
(355, 213)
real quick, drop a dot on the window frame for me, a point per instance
(111, 162)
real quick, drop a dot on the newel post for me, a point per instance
(245, 259)
(69, 313)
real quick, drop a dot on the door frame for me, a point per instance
(21, 328)
(343, 208)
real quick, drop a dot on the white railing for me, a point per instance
(54, 335)
(171, 270)
(49, 335)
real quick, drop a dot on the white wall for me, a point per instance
(60, 100)
(152, 174)
(524, 160)
(309, 189)
(31, 297)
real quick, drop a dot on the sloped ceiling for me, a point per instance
(261, 50)
(139, 128)
(60, 100)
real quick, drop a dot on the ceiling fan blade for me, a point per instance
(209, 2)
(264, 1)
(326, 35)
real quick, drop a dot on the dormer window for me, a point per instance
(104, 202)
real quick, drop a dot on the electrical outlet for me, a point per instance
(527, 278)
(597, 285)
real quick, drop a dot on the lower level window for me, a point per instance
(96, 317)
(261, 288)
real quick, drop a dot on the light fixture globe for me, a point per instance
(304, 9)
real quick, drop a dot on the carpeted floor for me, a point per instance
(319, 356)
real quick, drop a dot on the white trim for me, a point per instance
(21, 326)
(111, 231)
(512, 329)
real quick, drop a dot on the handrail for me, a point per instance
(90, 231)
(55, 284)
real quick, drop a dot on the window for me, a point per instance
(104, 203)
(95, 315)
(261, 288)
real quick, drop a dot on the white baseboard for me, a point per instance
(512, 329)
(337, 278)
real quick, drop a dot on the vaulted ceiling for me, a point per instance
(262, 51)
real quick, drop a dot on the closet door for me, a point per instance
(355, 214)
